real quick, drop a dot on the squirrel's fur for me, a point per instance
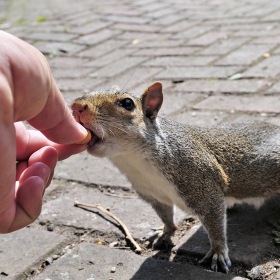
(192, 167)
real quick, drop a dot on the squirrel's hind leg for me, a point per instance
(162, 237)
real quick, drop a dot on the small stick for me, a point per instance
(128, 235)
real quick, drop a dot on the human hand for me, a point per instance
(29, 92)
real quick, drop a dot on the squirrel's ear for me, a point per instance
(152, 99)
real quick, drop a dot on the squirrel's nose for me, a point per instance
(78, 108)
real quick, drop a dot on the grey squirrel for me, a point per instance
(198, 169)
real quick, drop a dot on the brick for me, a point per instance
(66, 62)
(118, 66)
(257, 33)
(90, 261)
(174, 102)
(97, 37)
(207, 39)
(179, 26)
(180, 61)
(169, 19)
(90, 28)
(120, 9)
(141, 36)
(167, 51)
(152, 6)
(81, 85)
(268, 67)
(25, 248)
(109, 58)
(101, 49)
(139, 224)
(269, 104)
(127, 19)
(58, 47)
(90, 169)
(164, 43)
(137, 27)
(245, 55)
(46, 36)
(267, 40)
(272, 17)
(135, 80)
(160, 13)
(197, 118)
(223, 86)
(71, 72)
(192, 32)
(181, 73)
(275, 89)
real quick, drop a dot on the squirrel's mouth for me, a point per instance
(94, 139)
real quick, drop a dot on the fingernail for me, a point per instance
(83, 129)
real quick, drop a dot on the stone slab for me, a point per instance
(25, 248)
(90, 261)
(249, 236)
(179, 73)
(86, 168)
(268, 104)
(222, 86)
(136, 214)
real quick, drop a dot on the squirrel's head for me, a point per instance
(117, 119)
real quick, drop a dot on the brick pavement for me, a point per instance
(218, 61)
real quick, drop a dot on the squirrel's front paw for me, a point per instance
(160, 238)
(220, 259)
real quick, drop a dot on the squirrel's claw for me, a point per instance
(160, 239)
(217, 258)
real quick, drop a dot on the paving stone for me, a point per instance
(120, 9)
(268, 104)
(97, 37)
(58, 47)
(174, 102)
(167, 51)
(169, 19)
(248, 236)
(46, 36)
(139, 224)
(135, 78)
(109, 58)
(164, 43)
(207, 39)
(127, 19)
(180, 61)
(89, 28)
(275, 89)
(192, 32)
(25, 248)
(118, 66)
(136, 27)
(245, 55)
(142, 36)
(267, 40)
(101, 49)
(256, 33)
(71, 72)
(223, 86)
(66, 62)
(90, 261)
(266, 68)
(193, 117)
(181, 73)
(81, 85)
(86, 168)
(181, 25)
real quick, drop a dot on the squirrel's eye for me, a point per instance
(128, 104)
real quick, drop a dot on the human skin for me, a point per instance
(29, 93)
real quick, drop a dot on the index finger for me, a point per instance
(35, 95)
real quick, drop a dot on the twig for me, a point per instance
(128, 235)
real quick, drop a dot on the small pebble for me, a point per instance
(49, 260)
(55, 257)
(113, 269)
(266, 55)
